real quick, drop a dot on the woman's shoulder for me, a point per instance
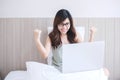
(78, 37)
(48, 40)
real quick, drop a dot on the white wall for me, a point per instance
(48, 8)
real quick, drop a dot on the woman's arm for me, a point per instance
(44, 51)
(92, 34)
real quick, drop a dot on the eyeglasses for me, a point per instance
(64, 24)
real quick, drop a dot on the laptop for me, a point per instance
(82, 56)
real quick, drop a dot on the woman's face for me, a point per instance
(64, 26)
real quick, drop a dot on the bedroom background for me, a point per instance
(18, 19)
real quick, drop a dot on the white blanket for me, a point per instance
(39, 71)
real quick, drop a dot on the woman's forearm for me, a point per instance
(91, 38)
(92, 34)
(41, 49)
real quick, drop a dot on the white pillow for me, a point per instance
(40, 71)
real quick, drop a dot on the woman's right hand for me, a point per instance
(37, 34)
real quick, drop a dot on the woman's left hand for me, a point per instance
(92, 33)
(93, 30)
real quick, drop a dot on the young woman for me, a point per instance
(63, 33)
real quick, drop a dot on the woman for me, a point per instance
(63, 33)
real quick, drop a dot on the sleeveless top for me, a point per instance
(57, 57)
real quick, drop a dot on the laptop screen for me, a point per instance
(82, 56)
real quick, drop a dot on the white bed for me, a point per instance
(39, 71)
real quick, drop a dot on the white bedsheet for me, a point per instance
(86, 75)
(17, 75)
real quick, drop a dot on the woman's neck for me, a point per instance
(63, 35)
(64, 39)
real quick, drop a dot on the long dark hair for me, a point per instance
(55, 38)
